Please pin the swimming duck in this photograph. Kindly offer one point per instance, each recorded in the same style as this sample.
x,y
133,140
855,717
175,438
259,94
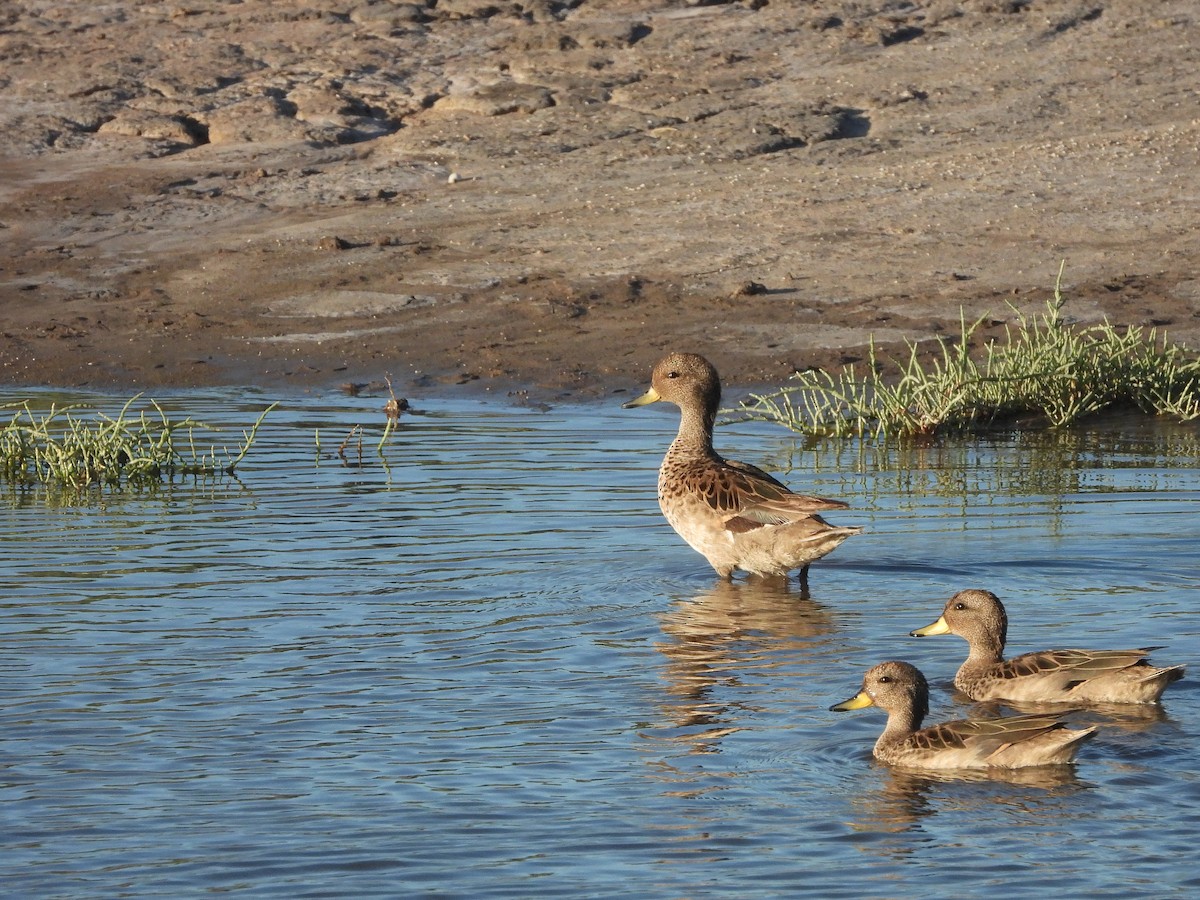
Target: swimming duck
x,y
732,513
1078,676
1013,742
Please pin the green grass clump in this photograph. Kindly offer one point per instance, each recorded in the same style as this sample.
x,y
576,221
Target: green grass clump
x,y
1045,369
58,447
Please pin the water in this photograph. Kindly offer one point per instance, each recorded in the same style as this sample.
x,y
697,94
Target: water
x,y
488,668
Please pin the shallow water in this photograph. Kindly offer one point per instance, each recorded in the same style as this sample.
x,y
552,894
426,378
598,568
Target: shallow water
x,y
482,665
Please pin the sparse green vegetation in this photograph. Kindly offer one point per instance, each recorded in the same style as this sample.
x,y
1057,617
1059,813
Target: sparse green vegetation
x,y
1045,369
393,409
59,447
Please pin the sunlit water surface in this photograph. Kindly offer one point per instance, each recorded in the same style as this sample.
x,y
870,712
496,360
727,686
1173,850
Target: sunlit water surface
x,y
482,665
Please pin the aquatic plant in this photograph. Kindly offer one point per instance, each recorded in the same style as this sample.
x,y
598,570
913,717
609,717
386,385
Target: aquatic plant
x,y
1044,369
59,447
393,409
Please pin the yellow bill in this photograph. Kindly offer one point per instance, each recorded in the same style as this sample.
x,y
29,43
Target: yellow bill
x,y
651,396
858,701
938,627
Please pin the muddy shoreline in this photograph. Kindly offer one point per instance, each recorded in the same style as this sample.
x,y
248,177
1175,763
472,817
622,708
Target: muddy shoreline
x,y
536,200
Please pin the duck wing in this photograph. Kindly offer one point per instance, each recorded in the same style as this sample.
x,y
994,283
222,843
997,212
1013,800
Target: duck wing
x,y
754,498
984,736
1072,666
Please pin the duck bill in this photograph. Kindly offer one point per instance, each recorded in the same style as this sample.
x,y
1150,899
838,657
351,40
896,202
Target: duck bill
x,y
858,701
651,396
938,627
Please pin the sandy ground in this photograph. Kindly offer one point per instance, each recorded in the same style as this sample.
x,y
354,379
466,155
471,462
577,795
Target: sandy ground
x,y
538,198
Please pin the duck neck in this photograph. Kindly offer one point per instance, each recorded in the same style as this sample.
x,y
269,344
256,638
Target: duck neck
x,y
695,430
901,722
987,649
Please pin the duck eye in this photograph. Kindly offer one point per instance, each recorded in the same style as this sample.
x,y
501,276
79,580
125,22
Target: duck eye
x,y
960,606
672,374
886,679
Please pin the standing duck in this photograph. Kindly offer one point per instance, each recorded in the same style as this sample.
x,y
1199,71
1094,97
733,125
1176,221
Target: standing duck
x,y
1013,742
734,514
1067,676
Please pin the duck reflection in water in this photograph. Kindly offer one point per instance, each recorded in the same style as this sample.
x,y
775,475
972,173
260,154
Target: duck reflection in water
x,y
903,798
714,640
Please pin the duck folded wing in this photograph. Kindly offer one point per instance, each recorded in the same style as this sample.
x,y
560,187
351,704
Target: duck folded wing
x,y
748,490
985,736
1073,665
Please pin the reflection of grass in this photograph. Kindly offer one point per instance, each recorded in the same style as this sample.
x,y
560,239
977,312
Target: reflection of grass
x,y
1112,455
1045,368
59,448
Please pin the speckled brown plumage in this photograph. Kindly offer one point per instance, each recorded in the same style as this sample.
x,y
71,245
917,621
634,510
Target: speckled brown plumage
x,y
734,514
1066,676
1013,742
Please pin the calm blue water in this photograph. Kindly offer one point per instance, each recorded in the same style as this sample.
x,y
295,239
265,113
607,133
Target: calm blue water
x,y
482,665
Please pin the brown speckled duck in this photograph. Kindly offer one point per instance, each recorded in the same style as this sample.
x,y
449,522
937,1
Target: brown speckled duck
x,y
1066,676
1012,742
734,514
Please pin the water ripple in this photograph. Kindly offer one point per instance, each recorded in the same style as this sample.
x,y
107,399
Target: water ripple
x,y
481,665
